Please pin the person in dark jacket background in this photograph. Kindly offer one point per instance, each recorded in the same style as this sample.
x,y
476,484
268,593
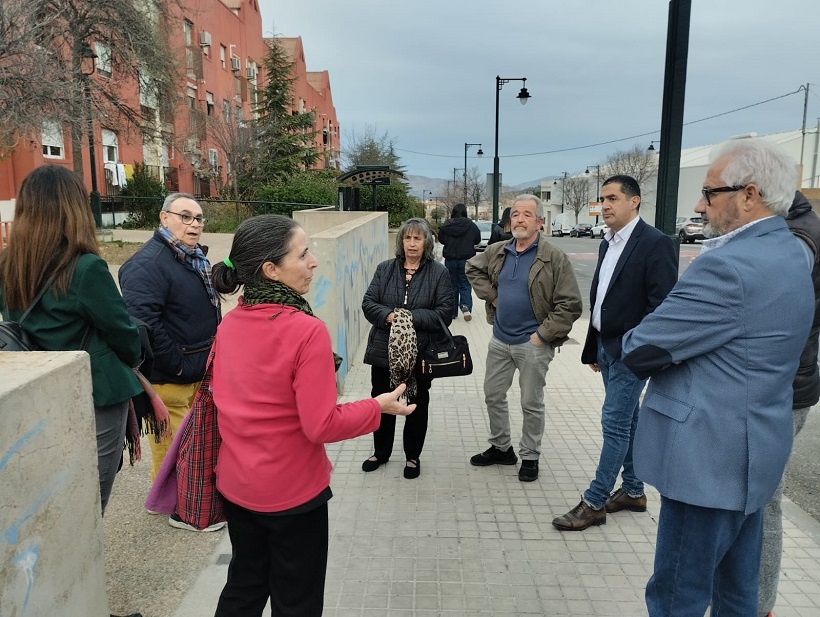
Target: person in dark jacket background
x,y
502,232
414,281
459,235
167,284
805,225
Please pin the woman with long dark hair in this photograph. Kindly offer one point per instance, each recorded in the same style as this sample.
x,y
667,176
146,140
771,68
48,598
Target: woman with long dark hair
x,y
54,245
274,385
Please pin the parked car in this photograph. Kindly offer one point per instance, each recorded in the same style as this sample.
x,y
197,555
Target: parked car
x,y
581,229
689,228
599,230
561,225
486,228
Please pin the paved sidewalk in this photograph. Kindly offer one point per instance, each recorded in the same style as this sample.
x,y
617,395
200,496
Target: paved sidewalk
x,y
468,541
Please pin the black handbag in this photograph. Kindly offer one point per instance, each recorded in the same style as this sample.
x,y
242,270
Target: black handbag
x,y
12,335
446,355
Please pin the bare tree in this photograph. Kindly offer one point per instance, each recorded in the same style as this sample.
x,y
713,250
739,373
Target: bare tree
x,y
635,162
476,189
240,146
576,194
44,42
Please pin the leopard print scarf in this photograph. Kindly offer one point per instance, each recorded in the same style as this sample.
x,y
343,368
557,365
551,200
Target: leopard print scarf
x,y
402,349
274,292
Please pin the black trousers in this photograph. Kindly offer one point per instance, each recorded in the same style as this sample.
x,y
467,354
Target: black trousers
x,y
281,557
415,425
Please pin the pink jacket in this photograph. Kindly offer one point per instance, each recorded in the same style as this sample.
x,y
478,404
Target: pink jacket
x,y
275,388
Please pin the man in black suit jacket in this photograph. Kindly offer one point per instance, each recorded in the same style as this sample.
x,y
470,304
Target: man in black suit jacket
x,y
636,268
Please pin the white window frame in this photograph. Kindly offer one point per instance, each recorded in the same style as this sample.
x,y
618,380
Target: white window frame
x,y
213,159
222,53
110,146
53,142
103,51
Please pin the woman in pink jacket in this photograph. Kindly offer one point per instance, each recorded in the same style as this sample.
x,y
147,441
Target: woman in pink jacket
x,y
275,388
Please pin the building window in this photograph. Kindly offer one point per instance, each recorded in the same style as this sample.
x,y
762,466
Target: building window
x,y
188,30
52,139
103,59
209,103
222,53
226,110
213,160
238,111
110,146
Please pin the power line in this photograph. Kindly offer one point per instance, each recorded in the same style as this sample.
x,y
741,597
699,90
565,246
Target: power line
x,y
615,141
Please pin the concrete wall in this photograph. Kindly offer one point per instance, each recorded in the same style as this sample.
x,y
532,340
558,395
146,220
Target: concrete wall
x,y
51,548
348,246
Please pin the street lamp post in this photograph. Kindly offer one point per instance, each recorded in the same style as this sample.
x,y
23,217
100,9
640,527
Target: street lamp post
x,y
480,153
88,64
597,187
563,187
523,96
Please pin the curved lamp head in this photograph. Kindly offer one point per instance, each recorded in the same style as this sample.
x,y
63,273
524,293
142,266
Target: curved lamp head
x,y
88,59
480,152
523,96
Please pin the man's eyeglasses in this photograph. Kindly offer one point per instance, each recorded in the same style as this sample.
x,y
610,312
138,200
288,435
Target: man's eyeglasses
x,y
187,219
707,193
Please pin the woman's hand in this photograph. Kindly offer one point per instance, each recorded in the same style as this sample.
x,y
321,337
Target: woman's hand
x,y
391,403
390,317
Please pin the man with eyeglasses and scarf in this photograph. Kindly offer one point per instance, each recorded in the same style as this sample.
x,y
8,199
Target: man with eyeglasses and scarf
x,y
167,284
715,427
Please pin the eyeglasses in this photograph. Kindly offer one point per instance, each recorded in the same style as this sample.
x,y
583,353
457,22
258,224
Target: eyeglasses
x,y
707,193
187,219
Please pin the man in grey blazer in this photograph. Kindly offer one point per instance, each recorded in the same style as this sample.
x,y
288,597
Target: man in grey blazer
x,y
715,428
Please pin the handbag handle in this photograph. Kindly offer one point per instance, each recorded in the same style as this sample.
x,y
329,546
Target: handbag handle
x,y
37,298
444,327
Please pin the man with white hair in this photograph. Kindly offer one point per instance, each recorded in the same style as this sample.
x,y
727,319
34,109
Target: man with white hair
x,y
715,428
532,299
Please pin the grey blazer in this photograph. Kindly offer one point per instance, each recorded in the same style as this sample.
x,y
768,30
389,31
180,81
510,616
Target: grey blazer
x,y
715,426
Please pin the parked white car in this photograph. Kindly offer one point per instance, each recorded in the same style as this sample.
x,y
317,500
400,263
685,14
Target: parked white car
x,y
599,230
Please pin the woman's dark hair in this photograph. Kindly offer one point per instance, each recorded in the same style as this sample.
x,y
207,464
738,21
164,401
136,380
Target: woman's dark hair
x,y
257,240
421,226
53,225
504,223
459,212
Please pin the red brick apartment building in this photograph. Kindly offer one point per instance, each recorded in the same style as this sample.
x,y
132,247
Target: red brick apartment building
x,y
221,52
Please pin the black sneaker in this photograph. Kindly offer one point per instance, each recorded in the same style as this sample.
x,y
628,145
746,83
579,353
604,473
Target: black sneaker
x,y
494,456
528,471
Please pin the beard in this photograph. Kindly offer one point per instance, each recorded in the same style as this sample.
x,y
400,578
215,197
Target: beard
x,y
730,221
522,234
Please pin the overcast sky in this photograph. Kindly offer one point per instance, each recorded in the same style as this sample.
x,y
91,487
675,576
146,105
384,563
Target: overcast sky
x,y
424,71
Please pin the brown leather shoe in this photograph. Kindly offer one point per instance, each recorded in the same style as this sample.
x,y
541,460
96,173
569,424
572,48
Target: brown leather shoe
x,y
619,500
579,518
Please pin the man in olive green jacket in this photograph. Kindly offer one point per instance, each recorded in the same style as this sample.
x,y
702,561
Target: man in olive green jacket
x,y
531,315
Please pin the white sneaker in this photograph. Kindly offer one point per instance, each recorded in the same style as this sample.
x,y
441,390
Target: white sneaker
x,y
175,521
466,312
152,512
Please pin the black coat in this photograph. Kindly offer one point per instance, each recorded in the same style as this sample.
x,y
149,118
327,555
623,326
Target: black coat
x,y
429,293
459,237
805,224
646,272
171,298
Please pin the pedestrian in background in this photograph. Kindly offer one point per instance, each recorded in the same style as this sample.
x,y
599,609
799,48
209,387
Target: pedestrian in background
x,y
805,225
274,385
502,231
411,282
715,427
459,235
167,284
636,269
532,299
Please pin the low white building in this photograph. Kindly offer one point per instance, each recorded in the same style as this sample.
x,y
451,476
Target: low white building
x,y
693,165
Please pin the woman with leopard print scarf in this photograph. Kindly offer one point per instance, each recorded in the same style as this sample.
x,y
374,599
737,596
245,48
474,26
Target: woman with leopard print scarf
x,y
274,387
406,293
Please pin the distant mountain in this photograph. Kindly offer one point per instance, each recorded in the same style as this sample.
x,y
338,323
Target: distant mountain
x,y
525,185
438,186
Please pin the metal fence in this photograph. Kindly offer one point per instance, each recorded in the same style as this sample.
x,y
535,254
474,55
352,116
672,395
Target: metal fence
x,y
223,215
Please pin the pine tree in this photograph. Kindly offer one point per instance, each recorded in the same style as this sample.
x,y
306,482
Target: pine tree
x,y
285,137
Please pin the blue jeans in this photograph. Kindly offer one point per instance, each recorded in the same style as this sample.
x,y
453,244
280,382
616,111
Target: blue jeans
x,y
619,417
705,555
532,362
462,291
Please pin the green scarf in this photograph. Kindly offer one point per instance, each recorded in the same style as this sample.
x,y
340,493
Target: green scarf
x,y
274,292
